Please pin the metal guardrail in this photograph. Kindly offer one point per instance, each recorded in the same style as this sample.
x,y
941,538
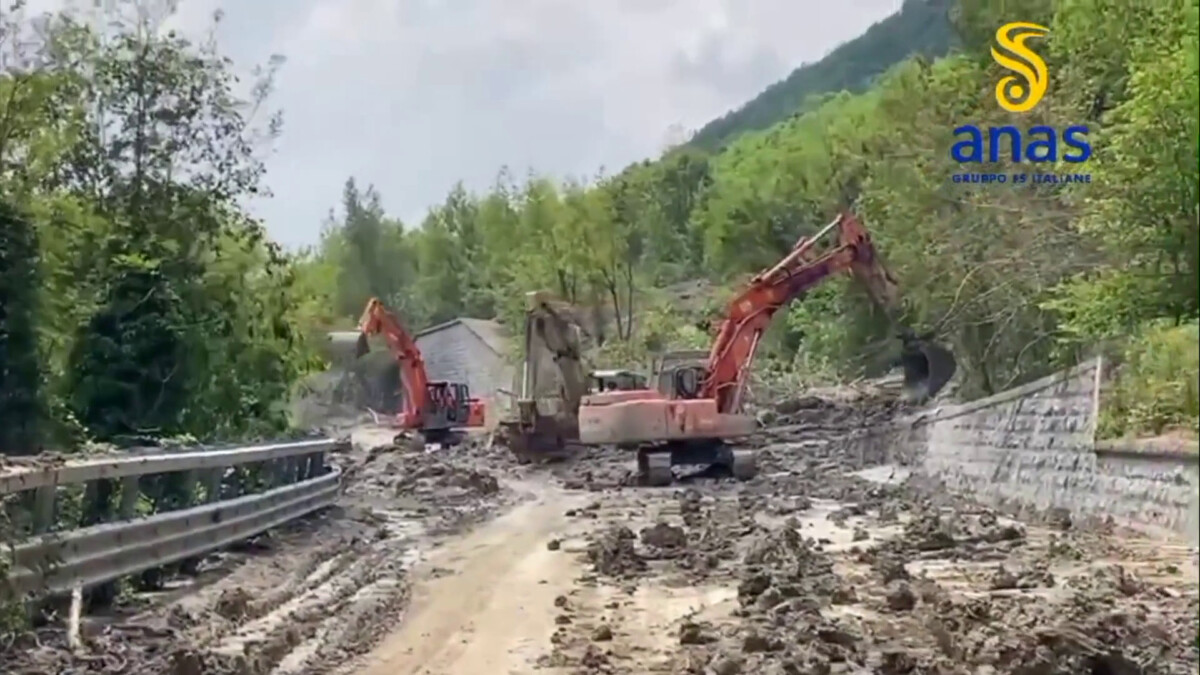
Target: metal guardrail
x,y
299,481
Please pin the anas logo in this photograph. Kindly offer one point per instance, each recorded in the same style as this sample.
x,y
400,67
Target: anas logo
x,y
1020,92
1041,145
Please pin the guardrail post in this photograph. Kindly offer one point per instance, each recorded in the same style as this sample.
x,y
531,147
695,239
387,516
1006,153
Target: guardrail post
x,y
212,484
316,464
190,481
130,490
190,566
43,508
278,473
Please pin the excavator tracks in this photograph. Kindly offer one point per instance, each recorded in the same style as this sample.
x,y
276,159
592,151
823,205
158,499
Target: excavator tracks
x,y
655,465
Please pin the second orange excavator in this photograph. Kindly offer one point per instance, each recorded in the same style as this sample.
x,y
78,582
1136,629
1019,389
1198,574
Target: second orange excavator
x,y
438,411
698,407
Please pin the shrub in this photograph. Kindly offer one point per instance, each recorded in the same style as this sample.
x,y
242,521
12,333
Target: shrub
x,y
1156,384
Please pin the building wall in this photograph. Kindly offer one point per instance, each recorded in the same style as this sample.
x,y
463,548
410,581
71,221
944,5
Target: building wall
x,y
456,353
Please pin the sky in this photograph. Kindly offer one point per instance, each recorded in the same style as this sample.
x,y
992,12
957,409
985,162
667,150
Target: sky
x,y
412,96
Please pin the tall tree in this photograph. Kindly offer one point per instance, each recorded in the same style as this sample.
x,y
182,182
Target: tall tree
x,y
20,370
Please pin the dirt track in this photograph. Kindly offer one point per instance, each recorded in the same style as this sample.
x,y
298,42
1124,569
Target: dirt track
x,y
462,563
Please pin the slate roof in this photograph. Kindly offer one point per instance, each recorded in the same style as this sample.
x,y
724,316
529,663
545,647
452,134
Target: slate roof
x,y
490,332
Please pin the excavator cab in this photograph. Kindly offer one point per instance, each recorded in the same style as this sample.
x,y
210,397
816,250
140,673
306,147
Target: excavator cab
x,y
615,380
680,374
449,405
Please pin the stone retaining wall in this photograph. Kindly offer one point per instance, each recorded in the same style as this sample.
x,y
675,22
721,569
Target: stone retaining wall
x,y
1032,448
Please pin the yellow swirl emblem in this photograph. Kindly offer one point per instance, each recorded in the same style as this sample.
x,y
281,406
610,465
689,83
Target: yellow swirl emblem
x,y
1021,92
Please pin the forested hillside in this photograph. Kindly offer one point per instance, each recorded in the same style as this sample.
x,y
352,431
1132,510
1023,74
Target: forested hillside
x,y
921,27
1020,279
138,297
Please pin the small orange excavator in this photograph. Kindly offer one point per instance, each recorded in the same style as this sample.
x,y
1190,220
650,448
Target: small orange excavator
x,y
696,407
438,411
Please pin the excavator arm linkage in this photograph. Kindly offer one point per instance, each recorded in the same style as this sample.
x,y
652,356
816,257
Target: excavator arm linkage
x,y
705,403
927,367
436,409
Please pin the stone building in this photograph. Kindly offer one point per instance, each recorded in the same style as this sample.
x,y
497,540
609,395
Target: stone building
x,y
474,351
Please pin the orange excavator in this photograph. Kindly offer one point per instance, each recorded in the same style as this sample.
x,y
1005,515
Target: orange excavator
x,y
697,407
437,411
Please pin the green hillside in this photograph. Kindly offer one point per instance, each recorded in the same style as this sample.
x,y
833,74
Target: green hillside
x,y
138,297
920,27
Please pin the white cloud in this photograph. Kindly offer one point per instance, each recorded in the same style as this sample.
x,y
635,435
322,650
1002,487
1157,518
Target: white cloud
x,y
413,95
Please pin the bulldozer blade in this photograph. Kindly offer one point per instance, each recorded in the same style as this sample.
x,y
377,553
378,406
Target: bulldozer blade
x,y
928,367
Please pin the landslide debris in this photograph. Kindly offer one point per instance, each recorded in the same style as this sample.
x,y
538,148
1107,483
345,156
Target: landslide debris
x,y
835,573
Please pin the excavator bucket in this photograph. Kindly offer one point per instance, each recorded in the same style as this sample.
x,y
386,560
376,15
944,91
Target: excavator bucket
x,y
362,346
928,367
370,379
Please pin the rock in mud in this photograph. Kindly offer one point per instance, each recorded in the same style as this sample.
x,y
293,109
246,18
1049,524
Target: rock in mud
x,y
691,633
612,553
900,598
753,641
664,536
728,664
595,661
1005,579
234,604
603,633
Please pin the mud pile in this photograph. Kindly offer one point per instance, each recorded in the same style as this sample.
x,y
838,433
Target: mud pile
x,y
595,469
613,553
834,408
446,488
834,573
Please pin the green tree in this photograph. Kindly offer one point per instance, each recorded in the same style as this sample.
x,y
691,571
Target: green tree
x,y
124,371
20,369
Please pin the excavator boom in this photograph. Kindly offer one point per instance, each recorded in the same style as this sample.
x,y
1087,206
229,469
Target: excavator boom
x,y
703,405
376,319
751,312
435,409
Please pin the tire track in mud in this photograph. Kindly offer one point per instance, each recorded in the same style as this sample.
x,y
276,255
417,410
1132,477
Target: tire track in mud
x,y
308,597
479,602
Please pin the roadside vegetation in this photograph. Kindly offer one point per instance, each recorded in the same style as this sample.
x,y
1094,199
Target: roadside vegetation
x,y
1020,279
140,299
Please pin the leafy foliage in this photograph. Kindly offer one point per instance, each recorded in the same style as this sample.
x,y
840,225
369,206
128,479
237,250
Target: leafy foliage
x,y
20,369
1019,279
158,305
123,372
149,301
1156,388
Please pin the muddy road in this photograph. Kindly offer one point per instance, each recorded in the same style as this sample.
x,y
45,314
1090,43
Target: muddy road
x,y
814,567
463,563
